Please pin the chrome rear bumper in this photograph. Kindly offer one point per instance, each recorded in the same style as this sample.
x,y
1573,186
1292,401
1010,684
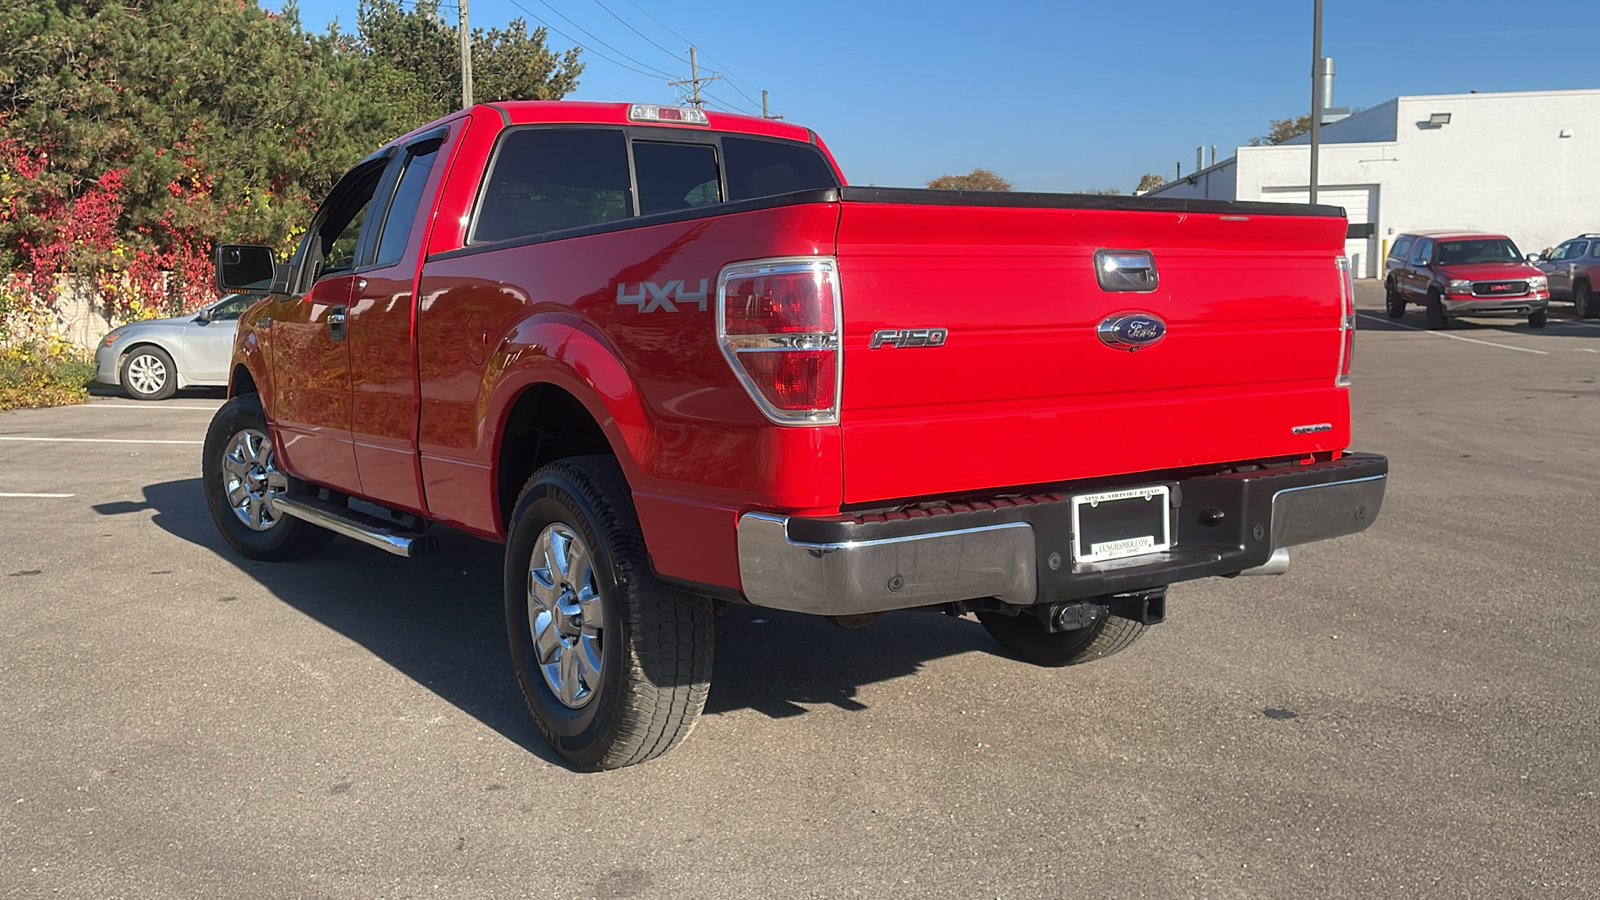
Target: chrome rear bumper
x,y
1005,550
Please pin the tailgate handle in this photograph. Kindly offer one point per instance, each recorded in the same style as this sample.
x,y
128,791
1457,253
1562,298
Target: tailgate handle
x,y
1125,271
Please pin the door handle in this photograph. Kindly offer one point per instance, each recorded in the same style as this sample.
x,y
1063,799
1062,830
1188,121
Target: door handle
x,y
336,323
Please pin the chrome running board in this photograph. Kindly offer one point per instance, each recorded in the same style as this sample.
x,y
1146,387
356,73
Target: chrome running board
x,y
339,519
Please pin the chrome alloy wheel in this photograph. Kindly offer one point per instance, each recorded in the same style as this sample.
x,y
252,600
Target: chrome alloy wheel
x,y
250,480
565,615
147,373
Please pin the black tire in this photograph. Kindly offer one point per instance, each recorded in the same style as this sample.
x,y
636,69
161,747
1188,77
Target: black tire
x,y
286,538
1437,320
654,642
1583,301
1537,320
157,375
1393,303
1026,638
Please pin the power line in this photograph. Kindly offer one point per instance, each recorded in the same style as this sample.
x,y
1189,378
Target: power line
x,y
654,74
635,30
663,73
687,41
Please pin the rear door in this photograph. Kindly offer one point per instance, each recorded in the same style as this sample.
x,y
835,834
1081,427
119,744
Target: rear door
x,y
1038,373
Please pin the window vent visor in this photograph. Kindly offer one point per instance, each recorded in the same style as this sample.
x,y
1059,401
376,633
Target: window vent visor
x,y
778,325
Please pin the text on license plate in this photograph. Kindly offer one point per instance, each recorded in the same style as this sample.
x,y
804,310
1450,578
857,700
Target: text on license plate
x,y
1122,523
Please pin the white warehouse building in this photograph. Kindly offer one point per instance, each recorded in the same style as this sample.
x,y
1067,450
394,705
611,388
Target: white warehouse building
x,y
1523,164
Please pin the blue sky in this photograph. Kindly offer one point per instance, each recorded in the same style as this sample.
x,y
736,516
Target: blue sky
x,y
1053,96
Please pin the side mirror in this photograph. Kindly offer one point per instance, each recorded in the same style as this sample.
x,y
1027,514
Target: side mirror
x,y
247,269
1533,257
204,316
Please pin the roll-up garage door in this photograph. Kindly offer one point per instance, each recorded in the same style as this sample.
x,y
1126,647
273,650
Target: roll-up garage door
x,y
1360,204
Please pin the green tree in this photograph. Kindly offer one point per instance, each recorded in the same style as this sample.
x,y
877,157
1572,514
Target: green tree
x,y
420,45
976,180
1149,181
1282,130
136,134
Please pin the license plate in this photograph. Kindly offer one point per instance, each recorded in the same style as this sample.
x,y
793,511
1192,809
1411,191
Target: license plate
x,y
1120,524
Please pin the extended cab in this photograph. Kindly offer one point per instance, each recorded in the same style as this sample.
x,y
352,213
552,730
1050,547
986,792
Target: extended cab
x,y
1463,273
672,361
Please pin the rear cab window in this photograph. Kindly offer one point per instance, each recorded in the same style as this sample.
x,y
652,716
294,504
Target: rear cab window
x,y
1401,247
546,179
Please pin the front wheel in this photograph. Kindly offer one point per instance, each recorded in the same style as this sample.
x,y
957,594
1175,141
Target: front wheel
x,y
1393,303
148,373
241,480
1436,318
1537,320
613,665
1026,637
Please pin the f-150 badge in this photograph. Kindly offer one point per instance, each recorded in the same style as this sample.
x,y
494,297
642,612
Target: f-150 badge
x,y
909,337
649,296
1131,330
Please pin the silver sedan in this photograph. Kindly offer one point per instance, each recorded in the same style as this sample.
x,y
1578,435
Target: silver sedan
x,y
153,358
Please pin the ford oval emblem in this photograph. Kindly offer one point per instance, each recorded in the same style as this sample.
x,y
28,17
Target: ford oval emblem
x,y
1132,330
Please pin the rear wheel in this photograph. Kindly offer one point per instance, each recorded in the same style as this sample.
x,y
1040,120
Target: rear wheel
x,y
1583,301
1435,308
1026,637
148,373
613,664
1393,303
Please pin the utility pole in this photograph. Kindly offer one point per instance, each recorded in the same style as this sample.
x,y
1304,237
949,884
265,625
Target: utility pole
x,y
466,58
694,80
1316,94
764,113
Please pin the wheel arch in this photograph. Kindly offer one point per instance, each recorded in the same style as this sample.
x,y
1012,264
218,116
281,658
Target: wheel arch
x,y
545,422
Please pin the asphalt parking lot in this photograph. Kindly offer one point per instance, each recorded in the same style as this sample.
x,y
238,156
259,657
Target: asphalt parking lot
x,y
1412,712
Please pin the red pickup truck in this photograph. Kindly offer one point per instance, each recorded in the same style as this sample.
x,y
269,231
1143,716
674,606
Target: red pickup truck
x,y
672,361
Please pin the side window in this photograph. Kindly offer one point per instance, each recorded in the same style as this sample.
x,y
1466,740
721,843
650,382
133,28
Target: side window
x,y
1424,253
765,168
547,179
1595,249
231,308
344,215
675,176
1401,247
402,212
1576,250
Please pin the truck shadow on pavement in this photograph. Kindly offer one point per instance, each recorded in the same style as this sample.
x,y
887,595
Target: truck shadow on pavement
x,y
439,620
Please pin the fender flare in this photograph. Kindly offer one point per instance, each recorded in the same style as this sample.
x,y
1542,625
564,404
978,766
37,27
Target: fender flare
x,y
563,350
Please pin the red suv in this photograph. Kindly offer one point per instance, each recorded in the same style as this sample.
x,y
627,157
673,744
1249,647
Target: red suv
x,y
1462,273
1574,272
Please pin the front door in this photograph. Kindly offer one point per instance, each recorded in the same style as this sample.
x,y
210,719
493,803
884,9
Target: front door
x,y
382,305
310,353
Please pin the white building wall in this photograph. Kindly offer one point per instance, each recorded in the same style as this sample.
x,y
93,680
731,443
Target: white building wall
x,y
1502,164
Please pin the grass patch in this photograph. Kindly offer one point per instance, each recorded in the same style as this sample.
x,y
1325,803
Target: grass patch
x,y
32,376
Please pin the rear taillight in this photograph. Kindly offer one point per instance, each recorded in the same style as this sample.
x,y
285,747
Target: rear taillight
x,y
1347,322
778,321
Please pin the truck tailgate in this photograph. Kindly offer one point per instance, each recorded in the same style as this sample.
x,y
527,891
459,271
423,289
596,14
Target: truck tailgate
x,y
1023,391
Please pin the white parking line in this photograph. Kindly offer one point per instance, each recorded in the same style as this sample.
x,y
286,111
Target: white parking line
x,y
7,437
144,406
1454,337
4,494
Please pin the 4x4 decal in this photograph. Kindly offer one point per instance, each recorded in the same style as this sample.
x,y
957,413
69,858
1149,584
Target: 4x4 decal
x,y
649,296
